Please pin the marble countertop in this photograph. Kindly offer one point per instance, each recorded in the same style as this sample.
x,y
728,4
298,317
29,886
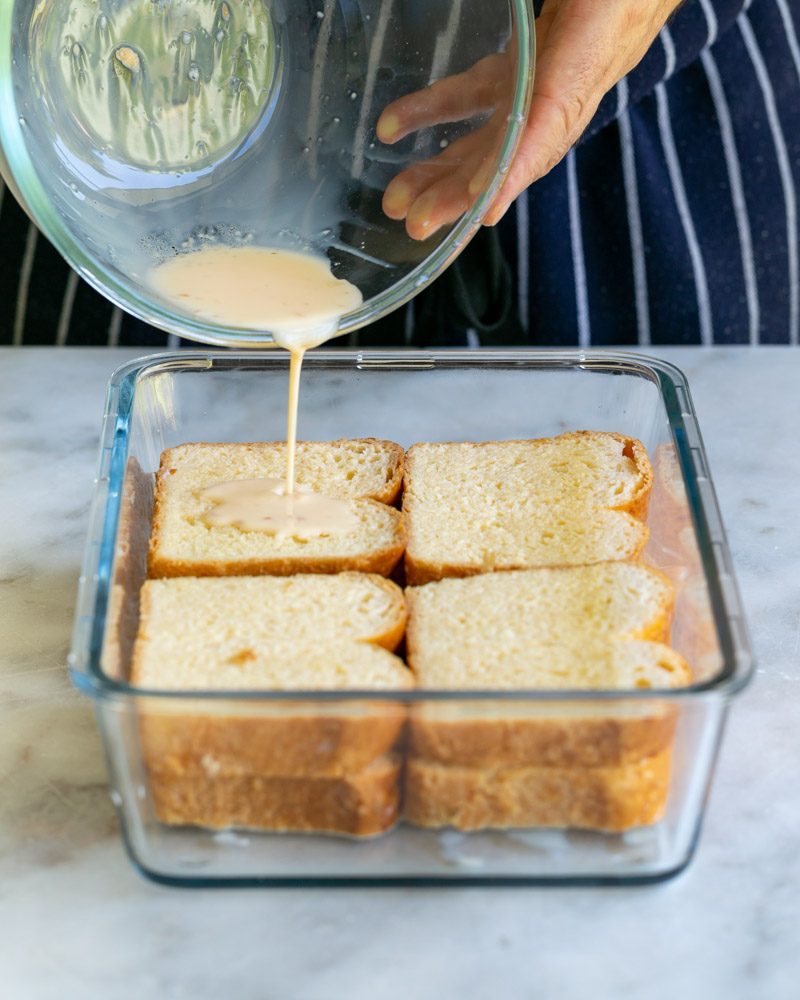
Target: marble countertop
x,y
77,921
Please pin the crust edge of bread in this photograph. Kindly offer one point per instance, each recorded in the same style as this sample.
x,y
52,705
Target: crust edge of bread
x,y
611,799
360,805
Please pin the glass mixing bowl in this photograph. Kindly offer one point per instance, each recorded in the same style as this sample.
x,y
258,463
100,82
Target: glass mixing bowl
x,y
132,130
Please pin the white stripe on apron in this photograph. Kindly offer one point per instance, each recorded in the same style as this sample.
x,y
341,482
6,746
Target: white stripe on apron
x,y
578,260
784,168
628,157
684,212
67,303
737,192
24,283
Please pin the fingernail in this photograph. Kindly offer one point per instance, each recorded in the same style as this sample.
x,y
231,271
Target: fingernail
x,y
480,179
422,208
495,214
421,230
395,200
421,237
388,127
420,216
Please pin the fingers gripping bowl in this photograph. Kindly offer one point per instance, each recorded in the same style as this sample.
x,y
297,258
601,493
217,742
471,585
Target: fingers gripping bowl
x,y
639,756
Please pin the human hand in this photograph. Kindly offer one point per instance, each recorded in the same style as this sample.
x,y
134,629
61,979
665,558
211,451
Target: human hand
x,y
584,47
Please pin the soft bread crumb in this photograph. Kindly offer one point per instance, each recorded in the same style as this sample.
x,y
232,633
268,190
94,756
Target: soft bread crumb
x,y
572,499
587,627
270,632
359,468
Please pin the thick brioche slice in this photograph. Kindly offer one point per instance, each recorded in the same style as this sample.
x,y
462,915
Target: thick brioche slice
x,y
475,508
198,624
564,628
270,633
359,804
367,473
581,628
596,798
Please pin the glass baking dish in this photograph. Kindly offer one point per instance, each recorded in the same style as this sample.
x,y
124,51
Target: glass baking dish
x,y
169,399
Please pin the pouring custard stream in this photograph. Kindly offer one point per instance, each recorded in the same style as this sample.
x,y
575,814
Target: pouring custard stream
x,y
295,297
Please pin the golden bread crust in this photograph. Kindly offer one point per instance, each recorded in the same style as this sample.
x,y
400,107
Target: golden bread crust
x,y
130,558
295,742
673,548
359,804
595,798
571,741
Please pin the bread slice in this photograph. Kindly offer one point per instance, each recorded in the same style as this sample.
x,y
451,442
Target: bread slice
x,y
192,629
368,473
475,508
553,734
577,627
360,804
580,628
595,798
347,468
269,633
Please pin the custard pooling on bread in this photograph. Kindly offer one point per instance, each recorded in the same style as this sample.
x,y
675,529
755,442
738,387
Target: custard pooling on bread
x,y
365,473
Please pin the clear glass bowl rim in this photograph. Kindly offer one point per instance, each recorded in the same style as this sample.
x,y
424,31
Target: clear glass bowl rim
x,y
84,658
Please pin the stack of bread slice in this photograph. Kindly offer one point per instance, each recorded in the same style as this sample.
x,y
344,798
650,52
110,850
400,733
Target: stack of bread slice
x,y
307,621
290,764
522,560
534,546
519,762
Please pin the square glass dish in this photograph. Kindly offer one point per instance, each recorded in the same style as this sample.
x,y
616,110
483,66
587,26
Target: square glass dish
x,y
170,399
